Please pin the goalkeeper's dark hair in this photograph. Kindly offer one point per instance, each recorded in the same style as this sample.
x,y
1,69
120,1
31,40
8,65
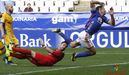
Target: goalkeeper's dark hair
x,y
65,42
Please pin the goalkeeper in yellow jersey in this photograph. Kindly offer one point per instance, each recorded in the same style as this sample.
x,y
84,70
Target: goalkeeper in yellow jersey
x,y
7,31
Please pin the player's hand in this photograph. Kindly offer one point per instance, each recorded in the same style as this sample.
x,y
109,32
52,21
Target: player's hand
x,y
111,11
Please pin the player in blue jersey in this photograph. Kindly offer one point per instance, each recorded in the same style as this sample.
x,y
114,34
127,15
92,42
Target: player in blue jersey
x,y
93,25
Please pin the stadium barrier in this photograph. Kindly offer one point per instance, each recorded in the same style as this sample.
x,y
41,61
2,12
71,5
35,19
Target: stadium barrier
x,y
29,27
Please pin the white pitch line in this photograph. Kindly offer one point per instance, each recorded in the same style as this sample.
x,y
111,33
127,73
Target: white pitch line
x,y
112,53
105,53
29,72
64,68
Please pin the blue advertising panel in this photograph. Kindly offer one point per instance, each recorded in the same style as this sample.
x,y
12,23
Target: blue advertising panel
x,y
64,20
29,27
102,39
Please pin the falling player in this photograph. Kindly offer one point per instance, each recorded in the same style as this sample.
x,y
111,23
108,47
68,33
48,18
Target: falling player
x,y
92,26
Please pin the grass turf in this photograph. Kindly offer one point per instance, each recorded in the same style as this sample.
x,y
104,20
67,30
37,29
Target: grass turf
x,y
100,64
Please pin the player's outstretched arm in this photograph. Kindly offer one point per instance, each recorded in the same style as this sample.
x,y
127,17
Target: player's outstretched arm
x,y
112,21
48,49
93,3
45,47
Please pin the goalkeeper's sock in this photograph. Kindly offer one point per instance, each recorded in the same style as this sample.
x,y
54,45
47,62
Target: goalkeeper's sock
x,y
68,40
23,51
83,54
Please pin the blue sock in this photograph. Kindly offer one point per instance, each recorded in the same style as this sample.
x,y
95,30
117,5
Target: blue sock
x,y
68,40
83,54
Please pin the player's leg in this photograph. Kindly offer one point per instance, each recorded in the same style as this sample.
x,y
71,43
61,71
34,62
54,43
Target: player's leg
x,y
27,54
15,54
33,61
23,51
74,44
39,59
19,55
7,58
89,45
91,52
9,43
67,39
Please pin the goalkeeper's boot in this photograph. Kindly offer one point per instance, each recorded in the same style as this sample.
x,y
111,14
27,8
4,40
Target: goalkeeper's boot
x,y
56,30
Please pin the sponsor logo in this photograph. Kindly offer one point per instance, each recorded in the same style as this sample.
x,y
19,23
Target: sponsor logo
x,y
107,39
26,41
24,18
99,20
115,68
116,71
121,18
64,18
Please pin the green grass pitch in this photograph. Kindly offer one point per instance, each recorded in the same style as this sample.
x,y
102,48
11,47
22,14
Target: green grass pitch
x,y
100,64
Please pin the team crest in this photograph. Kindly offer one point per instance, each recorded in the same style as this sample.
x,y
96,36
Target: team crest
x,y
99,20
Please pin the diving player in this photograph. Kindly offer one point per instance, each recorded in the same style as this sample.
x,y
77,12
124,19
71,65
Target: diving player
x,y
40,59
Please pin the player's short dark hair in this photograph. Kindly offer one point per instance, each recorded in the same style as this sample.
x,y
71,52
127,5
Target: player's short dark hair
x,y
98,7
64,42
